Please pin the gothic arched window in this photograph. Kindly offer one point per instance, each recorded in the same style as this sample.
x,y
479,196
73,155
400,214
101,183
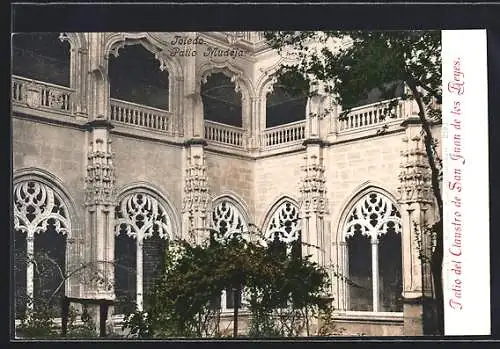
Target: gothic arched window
x,y
135,76
142,229
221,102
228,221
41,56
372,233
41,227
283,234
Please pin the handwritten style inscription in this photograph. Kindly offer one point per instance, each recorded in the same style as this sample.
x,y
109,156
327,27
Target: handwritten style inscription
x,y
456,88
189,47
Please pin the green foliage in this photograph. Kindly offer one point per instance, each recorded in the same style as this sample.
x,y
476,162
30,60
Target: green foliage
x,y
37,321
352,63
283,292
349,64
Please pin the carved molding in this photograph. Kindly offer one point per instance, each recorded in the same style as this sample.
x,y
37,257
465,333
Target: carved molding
x,y
100,179
196,191
415,173
313,187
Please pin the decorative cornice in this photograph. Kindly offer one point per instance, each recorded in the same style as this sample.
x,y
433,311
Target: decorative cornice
x,y
99,123
195,141
313,141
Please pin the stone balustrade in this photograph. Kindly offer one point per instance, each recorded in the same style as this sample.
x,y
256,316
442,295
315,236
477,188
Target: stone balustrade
x,y
283,134
224,134
371,115
140,115
41,95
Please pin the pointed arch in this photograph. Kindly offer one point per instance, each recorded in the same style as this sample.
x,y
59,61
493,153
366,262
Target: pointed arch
x,y
155,193
230,216
368,242
115,41
144,223
355,195
282,219
237,76
45,229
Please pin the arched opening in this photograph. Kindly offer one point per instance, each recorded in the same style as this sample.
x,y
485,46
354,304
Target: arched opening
x,y
390,272
284,106
142,231
41,56
228,222
20,271
360,272
41,226
125,271
386,91
221,103
50,251
372,233
135,77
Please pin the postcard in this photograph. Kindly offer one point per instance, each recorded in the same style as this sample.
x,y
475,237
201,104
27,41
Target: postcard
x,y
249,184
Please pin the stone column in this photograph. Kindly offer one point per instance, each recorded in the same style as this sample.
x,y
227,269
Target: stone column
x,y
99,178
416,200
313,202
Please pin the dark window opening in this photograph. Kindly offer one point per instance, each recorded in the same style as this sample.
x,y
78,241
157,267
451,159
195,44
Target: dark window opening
x,y
153,263
125,272
390,272
135,76
283,107
384,92
20,270
41,56
221,103
50,261
360,273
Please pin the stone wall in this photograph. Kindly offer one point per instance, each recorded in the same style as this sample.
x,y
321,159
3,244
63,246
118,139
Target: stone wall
x,y
153,163
350,166
275,177
58,150
233,176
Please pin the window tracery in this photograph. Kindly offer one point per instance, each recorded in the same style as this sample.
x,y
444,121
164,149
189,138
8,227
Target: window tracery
x,y
38,210
140,215
228,220
372,235
143,219
373,216
284,224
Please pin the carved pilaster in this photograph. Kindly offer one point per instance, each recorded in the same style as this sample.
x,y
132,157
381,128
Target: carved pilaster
x,y
416,199
313,201
196,200
100,196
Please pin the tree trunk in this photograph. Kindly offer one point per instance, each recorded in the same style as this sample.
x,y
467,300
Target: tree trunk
x,y
236,296
436,255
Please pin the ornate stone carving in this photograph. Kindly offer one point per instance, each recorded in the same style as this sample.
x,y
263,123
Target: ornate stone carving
x,y
140,215
373,215
312,189
415,174
284,224
196,196
228,220
35,206
100,177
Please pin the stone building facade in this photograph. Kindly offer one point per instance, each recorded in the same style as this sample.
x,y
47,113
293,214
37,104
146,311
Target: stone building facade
x,y
116,169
